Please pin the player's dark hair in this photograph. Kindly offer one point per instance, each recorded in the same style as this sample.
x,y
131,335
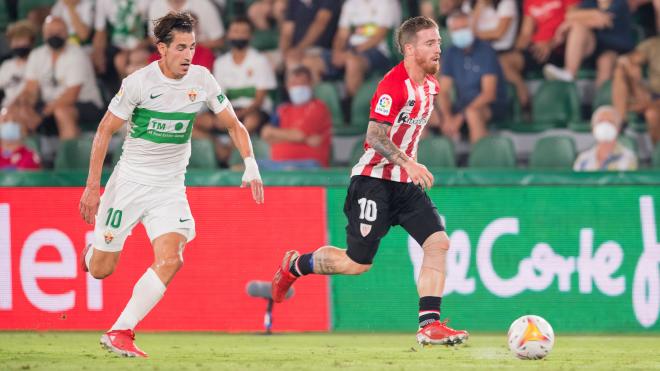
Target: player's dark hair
x,y
243,19
408,30
301,71
164,27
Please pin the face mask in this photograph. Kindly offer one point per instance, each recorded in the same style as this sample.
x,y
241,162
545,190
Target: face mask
x,y
462,38
605,132
239,43
300,94
10,131
21,52
55,42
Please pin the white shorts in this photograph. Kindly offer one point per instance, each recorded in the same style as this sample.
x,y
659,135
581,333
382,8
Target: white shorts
x,y
124,203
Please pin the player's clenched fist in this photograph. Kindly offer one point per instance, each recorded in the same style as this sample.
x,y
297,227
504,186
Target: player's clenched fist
x,y
89,203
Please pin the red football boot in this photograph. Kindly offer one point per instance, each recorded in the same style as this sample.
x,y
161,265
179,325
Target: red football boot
x,y
283,278
439,333
83,265
122,343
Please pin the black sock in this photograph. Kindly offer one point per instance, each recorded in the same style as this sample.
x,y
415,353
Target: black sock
x,y
303,265
429,310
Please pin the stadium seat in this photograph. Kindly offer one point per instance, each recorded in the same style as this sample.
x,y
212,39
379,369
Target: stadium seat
x,y
436,152
327,92
73,154
202,154
556,104
556,152
261,152
513,116
655,157
360,107
264,40
493,152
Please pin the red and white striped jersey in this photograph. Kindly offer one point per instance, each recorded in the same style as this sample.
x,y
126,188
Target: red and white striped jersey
x,y
406,106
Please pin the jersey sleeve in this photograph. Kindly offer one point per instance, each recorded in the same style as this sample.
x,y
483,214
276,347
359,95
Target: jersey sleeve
x,y
126,99
386,102
216,100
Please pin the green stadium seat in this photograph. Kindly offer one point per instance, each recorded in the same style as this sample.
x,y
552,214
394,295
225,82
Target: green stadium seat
x,y
629,143
556,104
202,154
264,40
73,154
493,152
513,116
603,96
556,152
356,153
261,152
655,157
327,92
436,152
360,108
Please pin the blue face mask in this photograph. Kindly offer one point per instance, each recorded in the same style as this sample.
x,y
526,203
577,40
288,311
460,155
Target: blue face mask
x,y
300,94
462,38
10,131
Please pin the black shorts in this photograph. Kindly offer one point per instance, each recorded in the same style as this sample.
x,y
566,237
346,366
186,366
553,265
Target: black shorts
x,y
374,205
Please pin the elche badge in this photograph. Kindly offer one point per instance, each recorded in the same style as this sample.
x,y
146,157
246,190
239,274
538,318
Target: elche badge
x,y
192,94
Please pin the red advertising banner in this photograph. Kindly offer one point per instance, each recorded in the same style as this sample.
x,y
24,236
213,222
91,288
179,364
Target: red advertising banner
x,y
43,288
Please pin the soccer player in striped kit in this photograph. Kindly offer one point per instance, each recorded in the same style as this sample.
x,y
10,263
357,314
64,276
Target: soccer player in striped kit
x,y
387,185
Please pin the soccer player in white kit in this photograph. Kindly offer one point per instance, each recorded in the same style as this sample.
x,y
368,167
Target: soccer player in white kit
x,y
159,102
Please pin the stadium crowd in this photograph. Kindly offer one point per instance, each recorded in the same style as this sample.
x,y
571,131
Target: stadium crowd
x,y
538,83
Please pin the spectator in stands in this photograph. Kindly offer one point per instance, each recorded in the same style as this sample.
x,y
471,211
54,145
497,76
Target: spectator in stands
x,y
538,39
360,44
602,28
607,153
211,29
631,94
14,155
496,21
203,56
471,66
121,23
60,84
300,133
267,14
246,77
21,37
308,31
78,16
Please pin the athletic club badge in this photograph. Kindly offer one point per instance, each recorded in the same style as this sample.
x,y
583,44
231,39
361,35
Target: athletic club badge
x,y
192,94
365,229
108,237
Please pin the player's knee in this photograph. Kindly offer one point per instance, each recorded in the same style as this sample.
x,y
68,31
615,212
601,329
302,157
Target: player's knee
x,y
171,263
101,271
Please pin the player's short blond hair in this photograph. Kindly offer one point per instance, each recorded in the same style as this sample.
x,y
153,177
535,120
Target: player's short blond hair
x,y
407,32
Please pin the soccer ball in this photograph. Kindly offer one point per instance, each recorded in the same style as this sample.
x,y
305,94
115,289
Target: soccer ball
x,y
531,337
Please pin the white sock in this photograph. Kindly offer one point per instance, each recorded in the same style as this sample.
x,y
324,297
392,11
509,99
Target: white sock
x,y
147,292
88,256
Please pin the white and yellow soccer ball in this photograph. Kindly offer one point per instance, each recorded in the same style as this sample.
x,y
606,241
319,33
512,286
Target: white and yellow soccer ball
x,y
531,337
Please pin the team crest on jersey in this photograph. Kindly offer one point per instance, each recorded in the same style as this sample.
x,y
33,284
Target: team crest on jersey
x,y
192,94
365,229
384,105
108,237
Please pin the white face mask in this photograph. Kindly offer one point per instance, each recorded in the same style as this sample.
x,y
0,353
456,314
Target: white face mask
x,y
300,94
605,131
10,131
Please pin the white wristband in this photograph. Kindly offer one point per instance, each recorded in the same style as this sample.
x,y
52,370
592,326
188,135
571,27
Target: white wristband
x,y
251,170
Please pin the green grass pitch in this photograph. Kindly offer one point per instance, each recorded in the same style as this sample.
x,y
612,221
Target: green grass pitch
x,y
314,351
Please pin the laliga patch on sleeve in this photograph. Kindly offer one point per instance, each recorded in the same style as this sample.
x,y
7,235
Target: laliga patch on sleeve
x,y
384,105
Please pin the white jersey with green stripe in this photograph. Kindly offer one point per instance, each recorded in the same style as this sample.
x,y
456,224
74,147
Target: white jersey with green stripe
x,y
160,112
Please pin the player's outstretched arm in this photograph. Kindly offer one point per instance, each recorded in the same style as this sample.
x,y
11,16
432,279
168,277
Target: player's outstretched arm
x,y
89,202
239,135
379,139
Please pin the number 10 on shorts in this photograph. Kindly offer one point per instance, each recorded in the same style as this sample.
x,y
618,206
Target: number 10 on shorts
x,y
114,218
368,209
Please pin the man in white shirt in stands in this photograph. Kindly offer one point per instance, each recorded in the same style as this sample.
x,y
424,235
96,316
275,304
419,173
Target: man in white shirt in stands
x,y
60,86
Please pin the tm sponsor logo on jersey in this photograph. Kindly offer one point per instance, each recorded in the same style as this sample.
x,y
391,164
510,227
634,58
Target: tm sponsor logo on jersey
x,y
404,118
384,105
167,128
